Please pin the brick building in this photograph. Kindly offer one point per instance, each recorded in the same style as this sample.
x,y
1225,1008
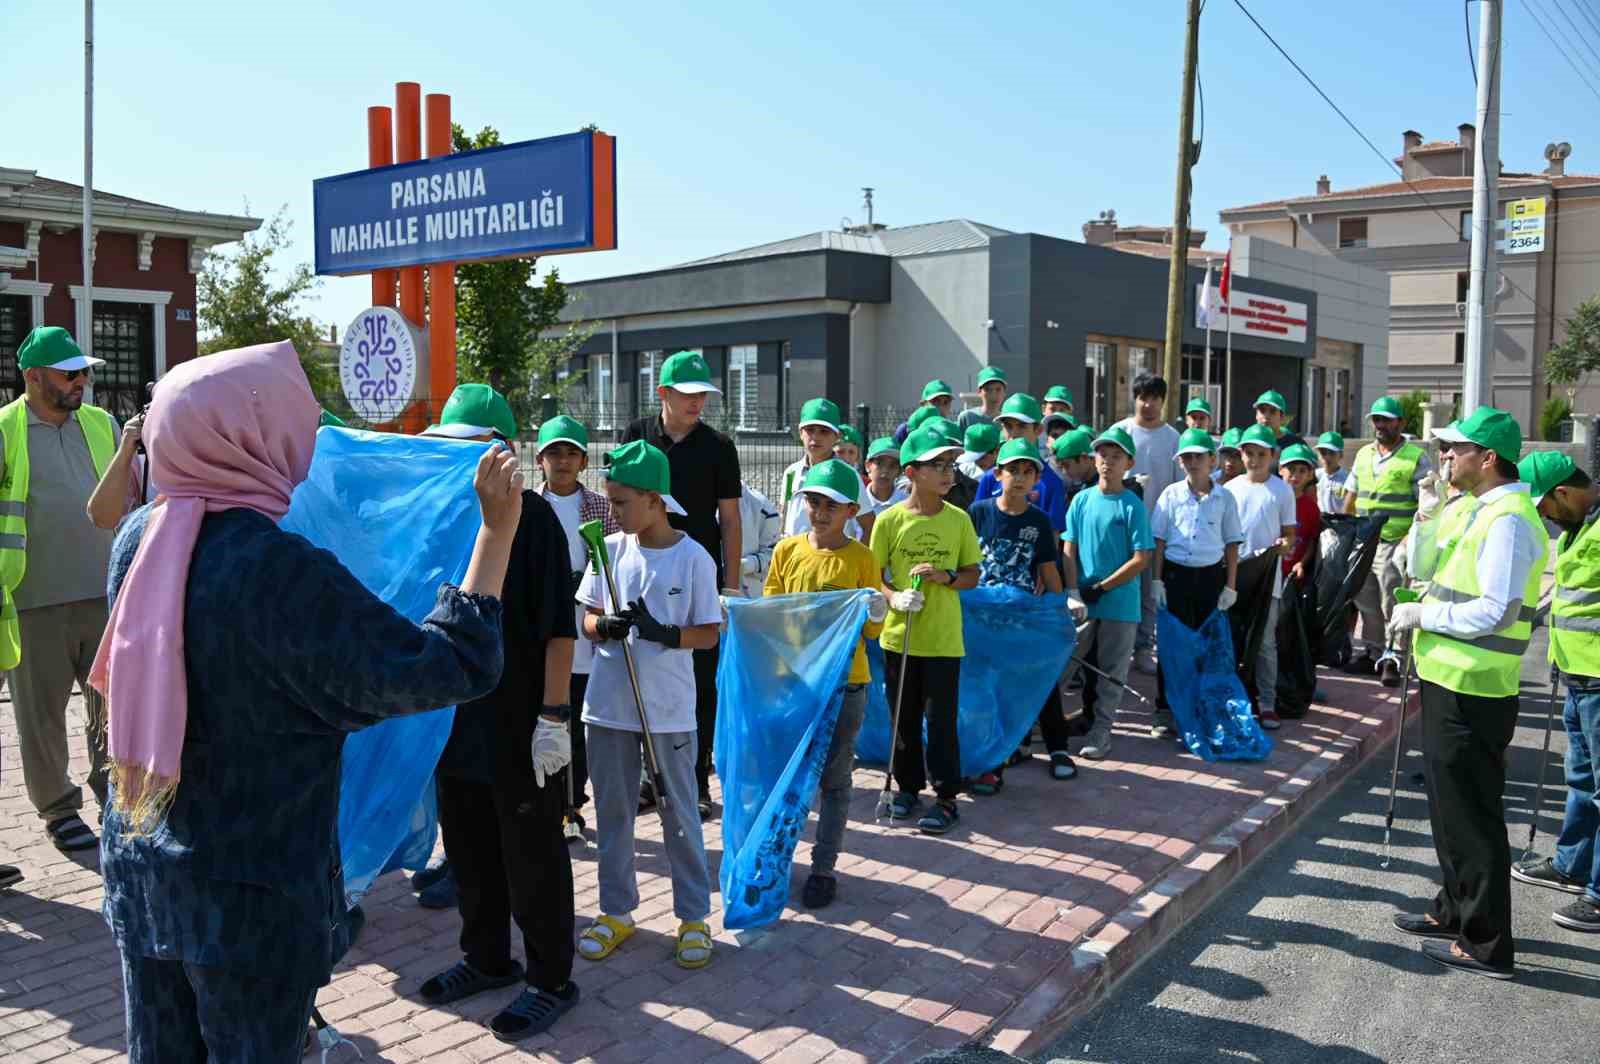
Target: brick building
x,y
145,259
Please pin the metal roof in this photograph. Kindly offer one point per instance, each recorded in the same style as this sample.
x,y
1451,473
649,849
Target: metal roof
x,y
956,234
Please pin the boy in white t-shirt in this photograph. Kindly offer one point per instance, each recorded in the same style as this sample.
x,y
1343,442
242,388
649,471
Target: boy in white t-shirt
x,y
1268,520
667,585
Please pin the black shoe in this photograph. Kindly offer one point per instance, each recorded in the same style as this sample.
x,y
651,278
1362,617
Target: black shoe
x,y
703,804
440,895
463,980
819,891
1542,872
421,881
1580,914
1388,671
1440,951
533,1012
1422,926
1062,767
10,876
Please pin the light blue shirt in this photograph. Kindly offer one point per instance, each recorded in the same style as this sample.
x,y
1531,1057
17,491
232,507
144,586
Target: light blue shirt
x,y
1196,528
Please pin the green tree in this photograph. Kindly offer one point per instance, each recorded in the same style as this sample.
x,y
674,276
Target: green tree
x,y
1579,354
1411,405
501,310
245,297
1556,410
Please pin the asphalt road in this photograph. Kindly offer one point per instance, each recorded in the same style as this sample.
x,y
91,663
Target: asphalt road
x,y
1297,962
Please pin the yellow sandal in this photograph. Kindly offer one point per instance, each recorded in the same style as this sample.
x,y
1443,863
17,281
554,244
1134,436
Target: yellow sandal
x,y
693,937
608,933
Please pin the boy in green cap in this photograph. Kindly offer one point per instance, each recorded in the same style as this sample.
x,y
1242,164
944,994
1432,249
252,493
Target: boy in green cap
x,y
1057,399
848,449
563,455
1272,410
1054,427
1020,419
937,396
1108,544
819,433
1332,476
1298,467
992,392
824,558
667,586
1197,415
883,474
1019,550
924,540
1268,519
1230,458
982,442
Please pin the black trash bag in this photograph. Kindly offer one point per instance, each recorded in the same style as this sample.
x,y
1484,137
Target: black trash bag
x,y
1297,665
1345,550
1247,619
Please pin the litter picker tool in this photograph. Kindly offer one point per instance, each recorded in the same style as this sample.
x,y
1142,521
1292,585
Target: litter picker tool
x,y
894,723
1106,675
1544,761
1403,594
593,535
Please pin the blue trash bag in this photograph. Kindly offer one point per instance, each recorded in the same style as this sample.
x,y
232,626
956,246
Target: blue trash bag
x,y
1016,646
1208,701
780,684
400,513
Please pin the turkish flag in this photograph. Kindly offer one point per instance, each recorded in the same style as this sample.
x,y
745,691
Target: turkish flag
x,y
1227,275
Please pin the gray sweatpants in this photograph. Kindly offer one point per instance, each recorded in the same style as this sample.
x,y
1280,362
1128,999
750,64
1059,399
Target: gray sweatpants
x,y
1267,661
834,810
1111,643
614,760
1375,600
58,646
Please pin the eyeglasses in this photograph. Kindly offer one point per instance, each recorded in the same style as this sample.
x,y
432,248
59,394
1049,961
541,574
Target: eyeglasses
x,y
73,374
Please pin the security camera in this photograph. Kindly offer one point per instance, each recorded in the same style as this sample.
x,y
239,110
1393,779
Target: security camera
x,y
988,323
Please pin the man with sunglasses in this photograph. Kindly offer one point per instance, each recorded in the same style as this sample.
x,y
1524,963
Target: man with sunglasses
x,y
1472,630
54,595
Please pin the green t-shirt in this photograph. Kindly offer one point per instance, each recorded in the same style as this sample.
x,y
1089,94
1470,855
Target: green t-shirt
x,y
902,539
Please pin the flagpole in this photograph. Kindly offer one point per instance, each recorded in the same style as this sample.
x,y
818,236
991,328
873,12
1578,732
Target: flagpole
x,y
1227,309
1205,372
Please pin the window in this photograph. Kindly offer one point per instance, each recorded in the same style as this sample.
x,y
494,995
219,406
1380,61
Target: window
x,y
1463,286
15,320
124,335
1341,399
601,398
744,387
1466,226
1316,401
1352,232
1461,348
1097,358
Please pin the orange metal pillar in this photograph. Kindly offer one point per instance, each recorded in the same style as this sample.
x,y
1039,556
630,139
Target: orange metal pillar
x,y
441,278
380,152
408,148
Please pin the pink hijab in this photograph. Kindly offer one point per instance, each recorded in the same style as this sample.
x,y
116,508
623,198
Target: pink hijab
x,y
234,429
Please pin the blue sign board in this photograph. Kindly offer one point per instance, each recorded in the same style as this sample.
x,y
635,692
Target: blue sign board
x,y
536,197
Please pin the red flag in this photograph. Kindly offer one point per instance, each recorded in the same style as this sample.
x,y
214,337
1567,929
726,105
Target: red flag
x,y
1227,274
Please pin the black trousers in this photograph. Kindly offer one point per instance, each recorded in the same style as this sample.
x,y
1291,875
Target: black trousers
x,y
579,768
705,713
931,693
1464,741
1053,728
1192,593
510,861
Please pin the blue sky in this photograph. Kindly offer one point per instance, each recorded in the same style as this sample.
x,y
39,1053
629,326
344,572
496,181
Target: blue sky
x,y
739,124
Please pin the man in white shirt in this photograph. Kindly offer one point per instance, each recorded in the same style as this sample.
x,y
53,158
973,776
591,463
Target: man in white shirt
x,y
1268,521
1154,467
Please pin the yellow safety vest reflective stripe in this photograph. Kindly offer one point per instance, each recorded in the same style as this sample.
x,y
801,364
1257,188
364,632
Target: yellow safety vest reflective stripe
x,y
1575,606
1392,490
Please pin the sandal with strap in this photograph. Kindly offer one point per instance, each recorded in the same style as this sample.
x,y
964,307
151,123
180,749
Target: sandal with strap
x,y
533,1012
607,933
463,980
70,834
694,944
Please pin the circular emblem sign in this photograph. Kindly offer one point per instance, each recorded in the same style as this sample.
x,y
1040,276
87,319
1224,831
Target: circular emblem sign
x,y
378,364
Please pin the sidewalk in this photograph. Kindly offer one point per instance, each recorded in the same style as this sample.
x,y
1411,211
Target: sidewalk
x,y
1002,932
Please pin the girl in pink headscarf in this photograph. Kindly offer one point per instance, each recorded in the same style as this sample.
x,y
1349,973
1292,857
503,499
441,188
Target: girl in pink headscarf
x,y
237,658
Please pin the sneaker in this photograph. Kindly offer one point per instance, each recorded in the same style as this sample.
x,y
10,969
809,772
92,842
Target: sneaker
x,y
533,1012
1097,744
1389,670
1270,721
819,891
1061,766
1144,661
1163,725
441,894
940,819
426,878
1580,914
572,827
1542,872
987,785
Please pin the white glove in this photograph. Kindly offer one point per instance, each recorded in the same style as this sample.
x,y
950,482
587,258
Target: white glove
x,y
1226,600
722,600
877,607
1077,607
908,601
1406,616
1159,589
747,565
552,749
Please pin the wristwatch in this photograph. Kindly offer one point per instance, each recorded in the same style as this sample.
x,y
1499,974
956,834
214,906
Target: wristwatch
x,y
559,714
952,574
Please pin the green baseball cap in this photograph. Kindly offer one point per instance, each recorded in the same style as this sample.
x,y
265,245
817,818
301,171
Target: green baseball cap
x,y
1330,441
1544,471
328,417
935,388
1058,416
687,372
1386,406
919,417
1273,399
1259,435
1196,441
474,410
824,412
1021,407
641,466
991,373
1298,452
883,445
924,445
949,429
1198,405
1018,450
1118,436
851,434
52,347
1489,428
834,479
563,429
1058,393
1072,422
980,439
1075,444
1230,440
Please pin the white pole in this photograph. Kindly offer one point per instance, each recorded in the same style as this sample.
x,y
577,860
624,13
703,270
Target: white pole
x,y
85,323
1205,371
1227,369
1475,373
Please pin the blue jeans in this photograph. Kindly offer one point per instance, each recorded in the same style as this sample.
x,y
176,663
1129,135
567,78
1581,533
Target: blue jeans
x,y
1577,854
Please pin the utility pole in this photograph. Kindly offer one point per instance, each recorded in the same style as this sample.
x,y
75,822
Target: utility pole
x,y
85,329
1177,277
1476,388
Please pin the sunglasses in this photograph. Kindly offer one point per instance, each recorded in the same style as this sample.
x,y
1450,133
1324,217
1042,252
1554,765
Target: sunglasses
x,y
74,374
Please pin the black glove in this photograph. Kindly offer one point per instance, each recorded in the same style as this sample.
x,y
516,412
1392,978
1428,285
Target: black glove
x,y
1091,594
614,625
668,635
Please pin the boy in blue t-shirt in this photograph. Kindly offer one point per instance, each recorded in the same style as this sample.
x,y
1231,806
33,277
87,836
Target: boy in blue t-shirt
x,y
1019,550
1019,419
1108,544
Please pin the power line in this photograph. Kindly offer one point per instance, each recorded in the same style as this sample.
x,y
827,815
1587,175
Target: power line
x,y
1589,17
1472,60
1539,21
1561,6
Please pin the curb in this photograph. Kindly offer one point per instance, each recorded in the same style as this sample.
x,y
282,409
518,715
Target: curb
x,y
1118,945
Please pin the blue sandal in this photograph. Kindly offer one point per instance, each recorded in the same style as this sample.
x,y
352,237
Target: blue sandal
x,y
940,819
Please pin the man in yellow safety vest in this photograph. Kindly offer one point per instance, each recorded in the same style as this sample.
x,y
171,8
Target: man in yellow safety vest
x,y
53,563
1473,625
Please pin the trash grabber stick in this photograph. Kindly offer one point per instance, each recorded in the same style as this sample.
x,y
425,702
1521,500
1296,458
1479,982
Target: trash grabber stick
x,y
1544,761
894,721
1403,594
594,537
1120,683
